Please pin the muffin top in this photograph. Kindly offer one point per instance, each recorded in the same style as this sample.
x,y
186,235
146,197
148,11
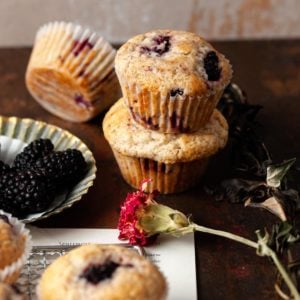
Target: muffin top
x,y
102,272
174,61
11,243
132,139
9,293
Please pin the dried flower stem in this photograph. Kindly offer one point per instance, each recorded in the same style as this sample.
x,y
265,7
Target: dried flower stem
x,y
265,250
262,249
225,234
284,275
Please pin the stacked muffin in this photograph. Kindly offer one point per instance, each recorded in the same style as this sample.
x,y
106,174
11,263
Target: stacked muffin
x,y
166,126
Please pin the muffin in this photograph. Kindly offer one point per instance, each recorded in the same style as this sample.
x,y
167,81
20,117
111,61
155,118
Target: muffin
x,y
101,272
171,80
71,72
174,162
15,244
8,292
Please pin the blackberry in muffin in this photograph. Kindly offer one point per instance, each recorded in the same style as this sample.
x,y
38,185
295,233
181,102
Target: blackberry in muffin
x,y
102,272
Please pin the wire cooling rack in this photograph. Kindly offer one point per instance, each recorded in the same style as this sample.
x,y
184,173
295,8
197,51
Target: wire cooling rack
x,y
43,256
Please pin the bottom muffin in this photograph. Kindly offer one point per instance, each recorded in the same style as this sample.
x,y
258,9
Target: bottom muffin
x,y
173,162
102,272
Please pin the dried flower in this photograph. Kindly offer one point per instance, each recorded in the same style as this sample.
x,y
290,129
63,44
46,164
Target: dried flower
x,y
142,219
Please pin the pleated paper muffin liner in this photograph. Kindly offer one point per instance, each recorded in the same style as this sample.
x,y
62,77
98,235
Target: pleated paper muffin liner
x,y
165,178
71,71
165,113
10,273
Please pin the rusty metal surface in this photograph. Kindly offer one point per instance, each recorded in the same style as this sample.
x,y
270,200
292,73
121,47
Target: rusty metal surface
x,y
269,72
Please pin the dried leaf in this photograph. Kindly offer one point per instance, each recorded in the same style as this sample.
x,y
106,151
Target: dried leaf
x,y
283,236
271,204
276,172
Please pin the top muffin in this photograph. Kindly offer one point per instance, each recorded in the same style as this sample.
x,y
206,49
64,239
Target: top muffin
x,y
171,80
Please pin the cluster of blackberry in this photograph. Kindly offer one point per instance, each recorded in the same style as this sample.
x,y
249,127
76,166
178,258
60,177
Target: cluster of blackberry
x,y
37,175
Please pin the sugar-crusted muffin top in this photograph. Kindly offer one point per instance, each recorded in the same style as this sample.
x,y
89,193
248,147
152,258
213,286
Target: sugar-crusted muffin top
x,y
174,60
102,272
129,138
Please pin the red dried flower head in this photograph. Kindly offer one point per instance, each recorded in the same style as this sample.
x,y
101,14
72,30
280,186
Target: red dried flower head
x,y
142,219
129,218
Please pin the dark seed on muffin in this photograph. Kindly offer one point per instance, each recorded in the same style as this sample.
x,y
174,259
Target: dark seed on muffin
x,y
211,66
175,92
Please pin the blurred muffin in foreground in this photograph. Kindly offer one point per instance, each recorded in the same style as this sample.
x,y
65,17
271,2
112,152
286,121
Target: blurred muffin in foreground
x,y
174,162
102,272
71,72
8,292
15,245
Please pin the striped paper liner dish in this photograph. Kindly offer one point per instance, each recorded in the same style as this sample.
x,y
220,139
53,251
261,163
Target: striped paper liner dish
x,y
16,133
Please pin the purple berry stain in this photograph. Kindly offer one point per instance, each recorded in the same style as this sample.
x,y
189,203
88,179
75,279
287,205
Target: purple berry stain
x,y
159,45
4,218
96,273
211,66
79,46
79,99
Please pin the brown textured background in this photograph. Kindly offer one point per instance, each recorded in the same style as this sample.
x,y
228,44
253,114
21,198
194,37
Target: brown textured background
x,y
117,20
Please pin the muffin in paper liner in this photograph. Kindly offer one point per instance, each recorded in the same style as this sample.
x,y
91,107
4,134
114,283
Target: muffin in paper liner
x,y
171,80
174,162
10,271
71,71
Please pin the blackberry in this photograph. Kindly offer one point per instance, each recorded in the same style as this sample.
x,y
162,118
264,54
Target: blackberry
x,y
211,66
175,92
25,191
159,45
96,273
32,152
4,168
63,168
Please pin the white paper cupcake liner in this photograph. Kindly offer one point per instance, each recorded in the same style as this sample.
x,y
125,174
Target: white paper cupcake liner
x,y
10,273
71,71
165,178
161,112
